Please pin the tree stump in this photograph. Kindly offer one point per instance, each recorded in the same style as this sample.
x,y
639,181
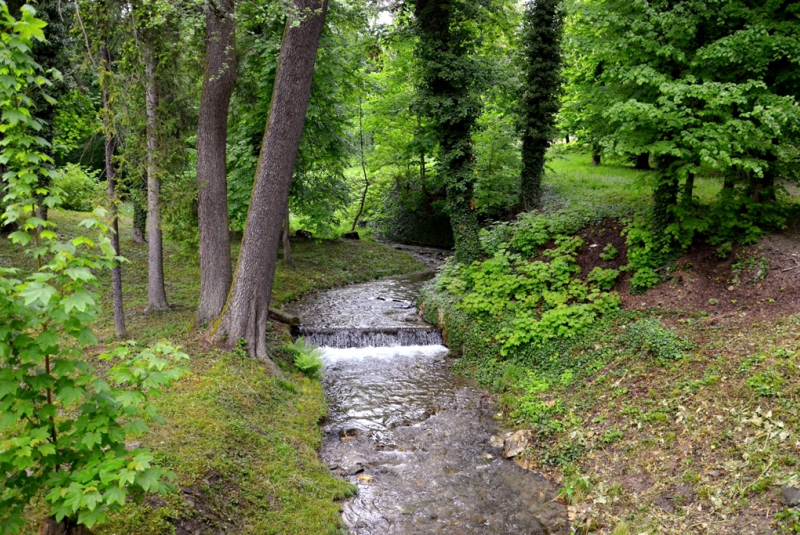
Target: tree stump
x,y
65,527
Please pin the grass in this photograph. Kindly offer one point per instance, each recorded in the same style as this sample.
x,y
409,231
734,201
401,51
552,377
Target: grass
x,y
242,443
571,180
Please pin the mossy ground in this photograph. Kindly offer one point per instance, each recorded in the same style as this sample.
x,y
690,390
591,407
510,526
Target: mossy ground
x,y
652,420
243,444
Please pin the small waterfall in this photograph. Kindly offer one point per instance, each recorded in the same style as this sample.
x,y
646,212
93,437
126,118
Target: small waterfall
x,y
343,338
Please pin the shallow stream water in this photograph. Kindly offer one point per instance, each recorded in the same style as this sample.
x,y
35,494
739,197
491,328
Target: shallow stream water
x,y
413,436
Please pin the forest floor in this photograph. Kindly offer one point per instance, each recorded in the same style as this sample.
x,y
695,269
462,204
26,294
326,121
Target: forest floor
x,y
705,443
243,444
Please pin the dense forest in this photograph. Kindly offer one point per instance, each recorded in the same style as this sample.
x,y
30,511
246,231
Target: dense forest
x,y
617,182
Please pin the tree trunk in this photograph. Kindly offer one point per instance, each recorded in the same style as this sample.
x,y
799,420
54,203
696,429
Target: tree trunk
x,y
139,218
116,270
643,162
596,155
287,246
65,527
212,137
566,139
454,107
156,296
246,312
665,194
364,168
688,188
541,44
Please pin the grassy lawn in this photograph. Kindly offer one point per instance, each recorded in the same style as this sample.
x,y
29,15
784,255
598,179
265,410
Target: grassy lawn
x,y
243,444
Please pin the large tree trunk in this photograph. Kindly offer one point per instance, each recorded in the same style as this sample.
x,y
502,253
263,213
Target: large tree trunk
x,y
212,138
665,194
156,296
541,43
116,270
454,107
246,312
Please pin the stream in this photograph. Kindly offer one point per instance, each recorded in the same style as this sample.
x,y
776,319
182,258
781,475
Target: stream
x,y
413,436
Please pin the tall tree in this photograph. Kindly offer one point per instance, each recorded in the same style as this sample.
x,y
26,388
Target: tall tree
x,y
111,192
245,313
541,43
449,97
156,295
212,136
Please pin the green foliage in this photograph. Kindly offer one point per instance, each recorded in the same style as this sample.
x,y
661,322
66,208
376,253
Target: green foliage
x,y
605,279
64,426
609,253
537,289
651,338
307,357
79,187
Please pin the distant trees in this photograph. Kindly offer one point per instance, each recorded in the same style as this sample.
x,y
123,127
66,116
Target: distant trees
x,y
702,85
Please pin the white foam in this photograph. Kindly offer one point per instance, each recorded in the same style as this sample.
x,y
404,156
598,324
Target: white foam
x,y
331,355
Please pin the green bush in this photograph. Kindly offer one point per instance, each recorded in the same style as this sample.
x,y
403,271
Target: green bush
x,y
307,358
79,187
652,338
603,278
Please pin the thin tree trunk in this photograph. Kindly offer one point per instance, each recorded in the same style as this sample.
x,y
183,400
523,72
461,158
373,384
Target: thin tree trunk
x,y
596,155
688,188
156,296
363,168
139,216
246,312
287,246
212,137
116,270
566,139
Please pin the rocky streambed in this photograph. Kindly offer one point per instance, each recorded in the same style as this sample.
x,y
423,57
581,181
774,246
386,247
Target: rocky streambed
x,y
421,443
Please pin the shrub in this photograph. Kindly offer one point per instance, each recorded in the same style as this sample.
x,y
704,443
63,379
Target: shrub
x,y
603,278
79,187
652,338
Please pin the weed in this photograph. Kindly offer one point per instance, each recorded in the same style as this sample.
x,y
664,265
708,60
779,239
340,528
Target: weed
x,y
611,436
609,253
651,338
767,383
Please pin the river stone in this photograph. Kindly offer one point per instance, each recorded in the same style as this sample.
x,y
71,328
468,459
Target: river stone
x,y
516,443
790,495
496,442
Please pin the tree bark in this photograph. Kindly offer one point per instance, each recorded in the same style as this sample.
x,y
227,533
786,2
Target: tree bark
x,y
287,245
688,188
156,296
246,312
212,137
643,162
596,160
139,219
116,270
364,167
65,527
